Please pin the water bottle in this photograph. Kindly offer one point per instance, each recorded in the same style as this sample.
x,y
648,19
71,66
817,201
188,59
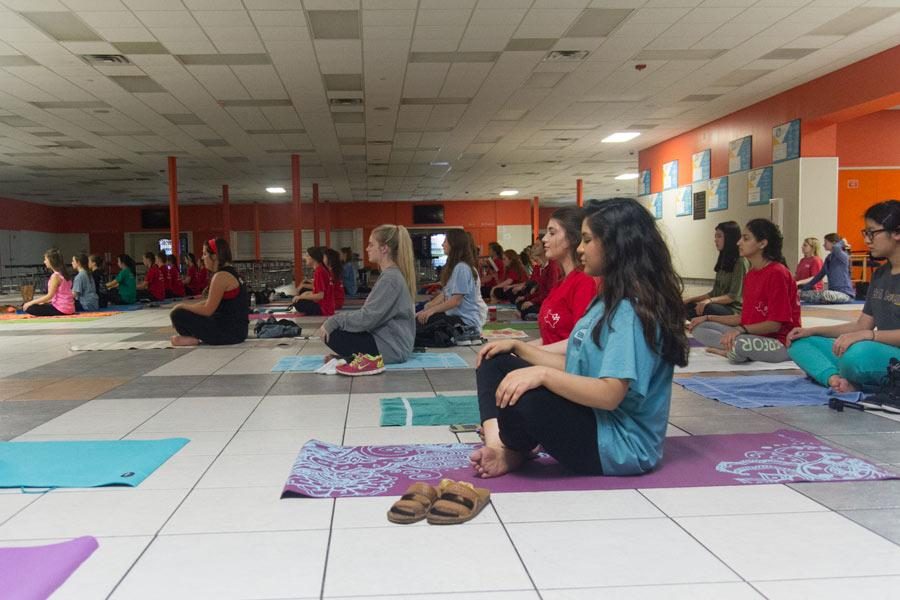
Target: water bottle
x,y
252,302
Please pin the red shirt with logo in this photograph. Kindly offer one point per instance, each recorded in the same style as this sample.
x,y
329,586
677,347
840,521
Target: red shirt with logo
x,y
770,294
155,284
322,284
564,305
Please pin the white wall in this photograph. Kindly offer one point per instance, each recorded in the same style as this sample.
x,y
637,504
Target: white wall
x,y
28,247
516,237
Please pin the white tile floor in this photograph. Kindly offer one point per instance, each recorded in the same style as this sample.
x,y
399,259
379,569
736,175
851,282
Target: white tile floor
x,y
210,523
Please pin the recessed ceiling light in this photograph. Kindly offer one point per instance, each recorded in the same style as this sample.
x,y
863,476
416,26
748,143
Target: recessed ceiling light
x,y
620,136
625,176
275,190
509,192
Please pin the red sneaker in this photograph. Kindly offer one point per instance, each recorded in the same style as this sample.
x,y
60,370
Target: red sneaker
x,y
362,364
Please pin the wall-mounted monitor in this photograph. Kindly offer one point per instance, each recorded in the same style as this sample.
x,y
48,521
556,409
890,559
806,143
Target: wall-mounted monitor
x,y
428,214
154,218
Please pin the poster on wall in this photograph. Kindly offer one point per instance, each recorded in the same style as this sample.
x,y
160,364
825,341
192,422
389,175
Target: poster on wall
x,y
786,141
644,185
700,163
656,204
684,202
717,194
739,154
759,186
670,175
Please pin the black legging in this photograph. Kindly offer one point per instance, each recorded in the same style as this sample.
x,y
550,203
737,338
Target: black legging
x,y
720,310
206,329
567,431
43,310
308,308
347,343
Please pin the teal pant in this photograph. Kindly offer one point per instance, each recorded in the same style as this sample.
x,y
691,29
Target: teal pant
x,y
863,364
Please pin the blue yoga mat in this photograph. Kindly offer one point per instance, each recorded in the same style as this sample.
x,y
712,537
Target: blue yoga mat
x,y
419,360
757,391
83,464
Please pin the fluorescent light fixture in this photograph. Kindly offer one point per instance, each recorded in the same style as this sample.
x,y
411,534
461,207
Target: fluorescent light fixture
x,y
509,192
626,176
275,190
620,136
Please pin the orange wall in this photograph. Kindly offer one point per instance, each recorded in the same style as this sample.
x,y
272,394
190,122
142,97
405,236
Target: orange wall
x,y
870,85
870,187
870,141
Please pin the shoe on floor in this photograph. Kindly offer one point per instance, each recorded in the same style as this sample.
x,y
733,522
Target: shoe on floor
x,y
330,367
362,364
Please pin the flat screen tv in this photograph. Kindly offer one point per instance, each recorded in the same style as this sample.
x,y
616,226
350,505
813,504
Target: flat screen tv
x,y
428,214
154,218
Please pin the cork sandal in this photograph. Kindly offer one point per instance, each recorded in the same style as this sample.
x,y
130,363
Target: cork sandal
x,y
413,506
459,501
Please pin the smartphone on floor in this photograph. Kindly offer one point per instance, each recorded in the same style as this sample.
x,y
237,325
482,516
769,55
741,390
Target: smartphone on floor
x,y
463,428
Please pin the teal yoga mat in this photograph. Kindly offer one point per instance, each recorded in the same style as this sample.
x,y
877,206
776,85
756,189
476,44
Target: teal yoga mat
x,y
419,360
83,464
440,410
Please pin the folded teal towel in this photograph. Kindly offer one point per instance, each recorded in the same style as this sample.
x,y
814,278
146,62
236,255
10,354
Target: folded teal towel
x,y
440,410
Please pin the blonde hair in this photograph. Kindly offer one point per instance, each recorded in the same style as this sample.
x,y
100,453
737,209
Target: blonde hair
x,y
813,243
396,238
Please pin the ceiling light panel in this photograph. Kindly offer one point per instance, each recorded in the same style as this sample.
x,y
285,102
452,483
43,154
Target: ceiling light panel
x,y
63,26
334,24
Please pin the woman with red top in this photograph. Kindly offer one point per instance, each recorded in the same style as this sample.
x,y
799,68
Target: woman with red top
x,y
492,271
197,276
222,318
335,266
568,301
319,300
515,274
153,288
810,265
771,303
545,275
174,284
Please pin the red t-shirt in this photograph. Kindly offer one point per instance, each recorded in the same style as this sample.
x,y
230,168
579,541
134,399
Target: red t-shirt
x,y
548,277
770,294
173,281
202,280
322,283
155,284
564,305
809,267
515,277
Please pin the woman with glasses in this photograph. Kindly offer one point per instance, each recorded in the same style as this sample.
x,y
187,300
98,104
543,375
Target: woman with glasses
x,y
837,269
855,356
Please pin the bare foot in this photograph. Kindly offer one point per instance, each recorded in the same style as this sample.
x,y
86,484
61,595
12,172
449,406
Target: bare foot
x,y
494,462
184,340
841,385
716,351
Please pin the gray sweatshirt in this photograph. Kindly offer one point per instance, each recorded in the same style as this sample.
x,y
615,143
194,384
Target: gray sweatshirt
x,y
388,314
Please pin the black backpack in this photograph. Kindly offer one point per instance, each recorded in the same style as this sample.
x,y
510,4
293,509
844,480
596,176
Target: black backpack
x,y
281,328
438,333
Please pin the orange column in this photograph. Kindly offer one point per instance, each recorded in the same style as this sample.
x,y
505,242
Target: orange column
x,y
535,217
579,192
315,200
226,215
257,251
298,227
173,205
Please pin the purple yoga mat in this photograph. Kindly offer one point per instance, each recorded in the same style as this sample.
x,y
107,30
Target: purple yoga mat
x,y
35,572
328,471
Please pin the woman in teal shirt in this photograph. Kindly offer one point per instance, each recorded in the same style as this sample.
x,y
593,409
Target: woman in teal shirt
x,y
599,401
123,289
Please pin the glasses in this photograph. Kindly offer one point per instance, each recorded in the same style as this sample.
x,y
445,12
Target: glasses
x,y
869,234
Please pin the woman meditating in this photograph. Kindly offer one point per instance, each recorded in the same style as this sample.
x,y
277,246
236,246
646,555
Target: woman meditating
x,y
123,289
837,269
384,329
771,307
855,356
83,290
546,274
336,268
153,288
58,300
725,298
515,274
459,301
223,317
197,276
320,299
810,265
598,402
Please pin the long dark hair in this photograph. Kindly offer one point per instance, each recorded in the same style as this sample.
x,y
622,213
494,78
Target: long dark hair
x,y
570,217
764,229
57,264
729,254
315,253
334,262
637,266
128,262
515,264
460,252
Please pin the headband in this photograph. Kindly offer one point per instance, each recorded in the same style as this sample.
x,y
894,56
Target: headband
x,y
212,245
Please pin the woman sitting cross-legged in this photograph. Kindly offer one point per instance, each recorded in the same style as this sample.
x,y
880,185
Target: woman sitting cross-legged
x,y
459,302
58,300
855,356
223,317
320,299
86,298
725,297
515,275
123,289
771,306
384,329
599,401
837,269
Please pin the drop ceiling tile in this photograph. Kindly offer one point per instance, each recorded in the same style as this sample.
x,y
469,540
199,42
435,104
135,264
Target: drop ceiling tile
x,y
279,18
222,19
112,19
339,56
471,44
540,23
443,18
167,19
127,34
163,103
388,18
424,80
261,81
422,44
464,79
196,46
167,35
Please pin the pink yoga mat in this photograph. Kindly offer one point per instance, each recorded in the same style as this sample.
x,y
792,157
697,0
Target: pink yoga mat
x,y
328,471
35,572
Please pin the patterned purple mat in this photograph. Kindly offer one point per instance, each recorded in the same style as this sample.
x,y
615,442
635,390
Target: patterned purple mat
x,y
35,572
328,471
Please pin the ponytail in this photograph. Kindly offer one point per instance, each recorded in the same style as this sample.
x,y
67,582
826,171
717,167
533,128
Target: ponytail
x,y
396,238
